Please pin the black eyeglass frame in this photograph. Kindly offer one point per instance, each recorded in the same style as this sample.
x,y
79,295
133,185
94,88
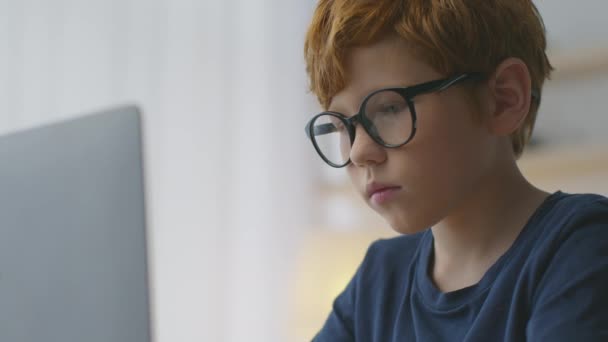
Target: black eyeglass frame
x,y
408,94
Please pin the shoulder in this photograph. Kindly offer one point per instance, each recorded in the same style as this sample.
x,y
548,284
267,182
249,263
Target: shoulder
x,y
570,225
567,214
386,257
573,242
570,300
571,205
394,249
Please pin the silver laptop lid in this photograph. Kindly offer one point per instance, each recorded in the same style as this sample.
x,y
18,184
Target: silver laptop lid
x,y
72,232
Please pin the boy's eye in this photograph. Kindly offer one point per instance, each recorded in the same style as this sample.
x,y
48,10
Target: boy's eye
x,y
385,103
389,108
392,108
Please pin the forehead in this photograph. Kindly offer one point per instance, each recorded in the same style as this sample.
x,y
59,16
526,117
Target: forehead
x,y
386,63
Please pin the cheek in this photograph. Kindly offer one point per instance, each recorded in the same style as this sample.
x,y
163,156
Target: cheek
x,y
356,177
449,134
445,158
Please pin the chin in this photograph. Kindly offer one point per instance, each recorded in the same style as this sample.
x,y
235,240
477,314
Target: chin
x,y
404,220
406,217
405,227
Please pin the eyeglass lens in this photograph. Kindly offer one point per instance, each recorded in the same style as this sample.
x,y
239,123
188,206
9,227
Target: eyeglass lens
x,y
388,118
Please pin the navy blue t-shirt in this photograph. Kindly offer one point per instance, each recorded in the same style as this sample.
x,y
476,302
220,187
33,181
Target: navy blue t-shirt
x,y
551,285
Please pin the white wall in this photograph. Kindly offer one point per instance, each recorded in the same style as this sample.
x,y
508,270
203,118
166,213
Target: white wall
x,y
574,24
573,109
223,89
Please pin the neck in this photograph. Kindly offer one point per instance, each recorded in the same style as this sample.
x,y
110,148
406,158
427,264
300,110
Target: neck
x,y
469,240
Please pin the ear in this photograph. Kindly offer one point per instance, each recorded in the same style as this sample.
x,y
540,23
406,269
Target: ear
x,y
510,90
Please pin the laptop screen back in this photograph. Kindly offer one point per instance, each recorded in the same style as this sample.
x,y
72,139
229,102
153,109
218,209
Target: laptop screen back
x,y
72,232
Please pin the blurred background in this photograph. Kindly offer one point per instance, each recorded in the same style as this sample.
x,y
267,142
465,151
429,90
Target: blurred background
x,y
251,235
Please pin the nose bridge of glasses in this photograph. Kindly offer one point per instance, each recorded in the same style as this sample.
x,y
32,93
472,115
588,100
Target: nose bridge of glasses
x,y
368,126
364,148
363,129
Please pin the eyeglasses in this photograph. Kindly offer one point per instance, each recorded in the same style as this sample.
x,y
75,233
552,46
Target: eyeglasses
x,y
388,115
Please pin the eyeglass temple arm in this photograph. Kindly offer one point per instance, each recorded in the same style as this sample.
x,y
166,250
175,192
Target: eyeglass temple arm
x,y
321,129
536,95
440,86
477,75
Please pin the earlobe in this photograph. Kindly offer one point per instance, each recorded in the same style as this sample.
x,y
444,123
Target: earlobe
x,y
510,87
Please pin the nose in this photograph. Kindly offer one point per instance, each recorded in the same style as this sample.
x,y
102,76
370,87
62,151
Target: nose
x,y
365,150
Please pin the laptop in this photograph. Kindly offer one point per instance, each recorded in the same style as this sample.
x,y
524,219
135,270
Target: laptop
x,y
72,232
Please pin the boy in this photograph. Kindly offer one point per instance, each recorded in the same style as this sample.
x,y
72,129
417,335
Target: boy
x,y
428,105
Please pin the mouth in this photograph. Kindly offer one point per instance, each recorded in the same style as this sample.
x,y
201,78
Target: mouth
x,y
379,193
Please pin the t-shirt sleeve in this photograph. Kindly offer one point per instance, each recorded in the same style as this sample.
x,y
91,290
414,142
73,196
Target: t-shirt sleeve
x,y
571,302
340,325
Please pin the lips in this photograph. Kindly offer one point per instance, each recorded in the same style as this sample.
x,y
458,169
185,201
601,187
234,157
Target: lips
x,y
378,188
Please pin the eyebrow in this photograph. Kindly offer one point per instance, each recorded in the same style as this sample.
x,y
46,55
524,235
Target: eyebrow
x,y
358,107
333,110
399,85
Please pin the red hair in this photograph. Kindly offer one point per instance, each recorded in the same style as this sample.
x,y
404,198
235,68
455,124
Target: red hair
x,y
451,35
